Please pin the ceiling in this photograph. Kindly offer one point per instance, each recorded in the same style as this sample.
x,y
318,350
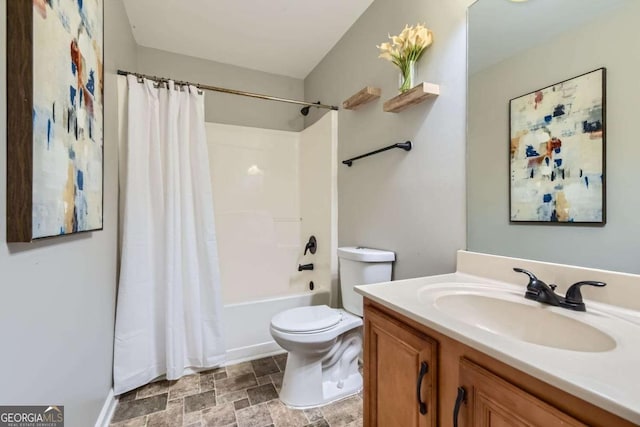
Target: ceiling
x,y
286,37
499,28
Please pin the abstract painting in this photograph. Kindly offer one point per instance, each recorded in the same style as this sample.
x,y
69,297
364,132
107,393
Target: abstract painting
x,y
557,152
62,143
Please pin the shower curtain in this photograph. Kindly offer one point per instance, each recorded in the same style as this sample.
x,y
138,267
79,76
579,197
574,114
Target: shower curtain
x,y
168,317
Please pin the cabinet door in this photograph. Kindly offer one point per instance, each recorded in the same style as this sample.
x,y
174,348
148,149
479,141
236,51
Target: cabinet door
x,y
400,367
493,402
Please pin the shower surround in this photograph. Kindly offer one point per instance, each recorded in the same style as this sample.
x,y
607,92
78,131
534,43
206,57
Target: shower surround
x,y
272,190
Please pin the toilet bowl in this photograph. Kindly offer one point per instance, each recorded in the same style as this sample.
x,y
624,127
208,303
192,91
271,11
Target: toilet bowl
x,y
324,343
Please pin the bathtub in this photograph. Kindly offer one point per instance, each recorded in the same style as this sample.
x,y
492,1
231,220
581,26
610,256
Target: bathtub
x,y
246,327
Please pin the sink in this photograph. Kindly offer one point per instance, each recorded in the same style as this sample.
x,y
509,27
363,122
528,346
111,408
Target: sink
x,y
504,314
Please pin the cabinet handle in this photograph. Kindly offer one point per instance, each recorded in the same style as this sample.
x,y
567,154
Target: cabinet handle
x,y
462,395
424,368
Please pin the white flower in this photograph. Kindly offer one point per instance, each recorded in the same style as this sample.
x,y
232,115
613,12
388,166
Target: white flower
x,y
407,46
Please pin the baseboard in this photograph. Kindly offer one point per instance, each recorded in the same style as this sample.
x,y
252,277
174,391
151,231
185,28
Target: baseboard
x,y
107,411
252,352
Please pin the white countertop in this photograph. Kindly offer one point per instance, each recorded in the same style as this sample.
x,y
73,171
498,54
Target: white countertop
x,y
609,379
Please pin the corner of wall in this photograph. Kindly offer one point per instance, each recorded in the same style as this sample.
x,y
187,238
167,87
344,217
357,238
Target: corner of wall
x,y
401,201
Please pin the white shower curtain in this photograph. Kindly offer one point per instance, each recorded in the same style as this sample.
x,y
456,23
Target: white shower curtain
x,y
168,316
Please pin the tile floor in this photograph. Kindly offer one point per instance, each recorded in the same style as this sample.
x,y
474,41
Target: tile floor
x,y
242,395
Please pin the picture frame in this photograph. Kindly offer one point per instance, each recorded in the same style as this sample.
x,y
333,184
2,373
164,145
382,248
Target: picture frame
x,y
557,153
55,117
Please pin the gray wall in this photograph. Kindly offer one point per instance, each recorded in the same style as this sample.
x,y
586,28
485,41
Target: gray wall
x,y
412,203
612,42
57,297
225,108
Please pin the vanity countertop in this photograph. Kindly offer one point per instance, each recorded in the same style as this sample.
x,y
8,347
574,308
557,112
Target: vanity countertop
x,y
609,379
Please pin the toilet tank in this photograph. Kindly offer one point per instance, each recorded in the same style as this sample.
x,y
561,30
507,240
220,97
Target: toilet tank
x,y
362,266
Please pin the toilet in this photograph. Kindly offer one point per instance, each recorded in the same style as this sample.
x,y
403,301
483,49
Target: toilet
x,y
324,343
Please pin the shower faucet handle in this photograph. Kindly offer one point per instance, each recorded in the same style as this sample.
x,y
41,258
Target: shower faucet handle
x,y
311,246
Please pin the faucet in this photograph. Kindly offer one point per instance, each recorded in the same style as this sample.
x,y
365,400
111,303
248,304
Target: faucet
x,y
302,267
573,300
537,290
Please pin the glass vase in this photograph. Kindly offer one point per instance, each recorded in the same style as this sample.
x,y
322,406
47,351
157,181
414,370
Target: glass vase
x,y
407,76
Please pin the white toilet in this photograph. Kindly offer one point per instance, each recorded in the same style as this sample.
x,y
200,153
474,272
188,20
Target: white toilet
x,y
324,343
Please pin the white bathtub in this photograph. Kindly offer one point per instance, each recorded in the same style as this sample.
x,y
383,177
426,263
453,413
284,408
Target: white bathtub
x,y
247,324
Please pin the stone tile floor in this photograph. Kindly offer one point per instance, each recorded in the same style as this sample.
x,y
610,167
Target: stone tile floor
x,y
242,395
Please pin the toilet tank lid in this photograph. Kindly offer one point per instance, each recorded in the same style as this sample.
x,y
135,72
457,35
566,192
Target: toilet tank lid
x,y
365,254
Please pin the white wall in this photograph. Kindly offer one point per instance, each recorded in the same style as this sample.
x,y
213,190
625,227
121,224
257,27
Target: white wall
x,y
319,202
226,108
255,181
57,297
611,42
411,203
272,190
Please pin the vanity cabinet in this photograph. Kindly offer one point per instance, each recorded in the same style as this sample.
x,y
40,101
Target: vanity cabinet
x,y
400,374
496,394
491,401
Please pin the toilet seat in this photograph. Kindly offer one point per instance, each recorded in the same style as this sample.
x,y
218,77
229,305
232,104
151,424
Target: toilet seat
x,y
307,320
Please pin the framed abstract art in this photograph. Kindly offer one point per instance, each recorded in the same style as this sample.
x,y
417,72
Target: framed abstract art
x,y
54,118
557,153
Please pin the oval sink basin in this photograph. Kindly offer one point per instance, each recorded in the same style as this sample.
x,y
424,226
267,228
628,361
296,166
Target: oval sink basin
x,y
524,322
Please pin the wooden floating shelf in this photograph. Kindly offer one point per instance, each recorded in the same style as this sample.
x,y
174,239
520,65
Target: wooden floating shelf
x,y
411,97
364,96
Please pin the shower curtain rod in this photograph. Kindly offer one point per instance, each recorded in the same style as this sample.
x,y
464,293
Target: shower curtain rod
x,y
230,91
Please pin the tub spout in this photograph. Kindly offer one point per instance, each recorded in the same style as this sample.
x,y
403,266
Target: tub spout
x,y
302,267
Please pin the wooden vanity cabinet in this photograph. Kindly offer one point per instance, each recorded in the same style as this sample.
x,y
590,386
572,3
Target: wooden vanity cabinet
x,y
496,394
491,401
400,374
